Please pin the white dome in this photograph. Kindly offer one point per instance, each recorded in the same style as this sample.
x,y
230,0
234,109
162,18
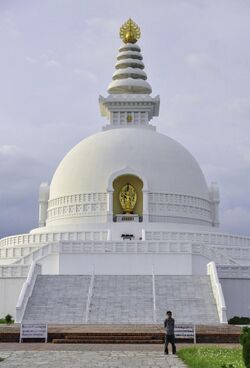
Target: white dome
x,y
164,164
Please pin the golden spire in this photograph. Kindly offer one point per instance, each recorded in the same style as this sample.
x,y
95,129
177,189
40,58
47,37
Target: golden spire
x,y
130,32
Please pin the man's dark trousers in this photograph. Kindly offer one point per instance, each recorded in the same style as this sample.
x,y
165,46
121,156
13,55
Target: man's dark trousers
x,y
170,339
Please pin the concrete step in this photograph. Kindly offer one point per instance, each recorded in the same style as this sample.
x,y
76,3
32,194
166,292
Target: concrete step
x,y
190,298
121,299
106,341
58,299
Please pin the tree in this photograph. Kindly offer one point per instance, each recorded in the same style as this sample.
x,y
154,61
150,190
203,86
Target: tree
x,y
245,342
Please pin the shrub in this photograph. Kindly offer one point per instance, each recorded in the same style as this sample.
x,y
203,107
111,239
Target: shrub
x,y
236,320
8,319
245,342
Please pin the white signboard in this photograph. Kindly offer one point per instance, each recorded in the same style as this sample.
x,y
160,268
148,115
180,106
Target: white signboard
x,y
185,331
34,331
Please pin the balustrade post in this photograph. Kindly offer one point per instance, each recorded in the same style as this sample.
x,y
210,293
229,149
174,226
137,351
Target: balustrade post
x,y
145,206
154,299
110,206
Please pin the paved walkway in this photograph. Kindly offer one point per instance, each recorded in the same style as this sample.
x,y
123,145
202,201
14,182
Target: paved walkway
x,y
89,359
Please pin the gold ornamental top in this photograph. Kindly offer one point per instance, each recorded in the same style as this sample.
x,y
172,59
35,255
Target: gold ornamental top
x,y
130,32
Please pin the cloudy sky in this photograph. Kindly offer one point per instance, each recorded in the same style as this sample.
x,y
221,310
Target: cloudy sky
x,y
57,56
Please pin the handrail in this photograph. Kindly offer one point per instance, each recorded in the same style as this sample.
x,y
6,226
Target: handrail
x,y
90,293
217,292
26,291
154,298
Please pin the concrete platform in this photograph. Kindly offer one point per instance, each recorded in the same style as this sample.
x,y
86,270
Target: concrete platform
x,y
133,334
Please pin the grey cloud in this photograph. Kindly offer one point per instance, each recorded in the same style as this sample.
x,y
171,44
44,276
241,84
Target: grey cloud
x,y
239,108
200,61
20,178
236,220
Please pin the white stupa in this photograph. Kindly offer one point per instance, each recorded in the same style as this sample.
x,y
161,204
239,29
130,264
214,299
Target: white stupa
x,y
128,226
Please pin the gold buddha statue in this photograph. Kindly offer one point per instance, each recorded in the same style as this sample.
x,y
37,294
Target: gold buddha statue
x,y
128,198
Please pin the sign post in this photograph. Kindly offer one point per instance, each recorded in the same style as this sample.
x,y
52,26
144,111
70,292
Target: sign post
x,y
184,331
33,331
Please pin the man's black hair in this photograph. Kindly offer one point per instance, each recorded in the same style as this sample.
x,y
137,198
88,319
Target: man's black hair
x,y
169,312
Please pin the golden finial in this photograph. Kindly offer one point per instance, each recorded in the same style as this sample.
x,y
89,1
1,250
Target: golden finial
x,y
130,32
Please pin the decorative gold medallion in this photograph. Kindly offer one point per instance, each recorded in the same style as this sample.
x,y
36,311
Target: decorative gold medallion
x,y
128,198
129,118
130,32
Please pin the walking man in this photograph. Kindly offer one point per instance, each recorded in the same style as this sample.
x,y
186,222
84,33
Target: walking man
x,y
169,336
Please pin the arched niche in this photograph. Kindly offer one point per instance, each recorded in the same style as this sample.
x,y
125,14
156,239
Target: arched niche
x,y
118,184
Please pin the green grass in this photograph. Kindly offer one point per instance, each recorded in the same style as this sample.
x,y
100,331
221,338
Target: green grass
x,y
3,321
212,357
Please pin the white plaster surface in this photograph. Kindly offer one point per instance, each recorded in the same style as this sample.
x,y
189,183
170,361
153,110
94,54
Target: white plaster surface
x,y
9,292
125,264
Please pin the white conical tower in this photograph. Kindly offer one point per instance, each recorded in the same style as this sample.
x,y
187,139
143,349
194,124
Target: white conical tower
x,y
129,76
129,103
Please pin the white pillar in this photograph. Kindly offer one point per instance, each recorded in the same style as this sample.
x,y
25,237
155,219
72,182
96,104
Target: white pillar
x,y
110,206
215,200
109,235
216,222
145,206
43,203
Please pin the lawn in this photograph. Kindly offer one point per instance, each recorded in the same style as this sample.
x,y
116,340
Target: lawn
x,y
212,357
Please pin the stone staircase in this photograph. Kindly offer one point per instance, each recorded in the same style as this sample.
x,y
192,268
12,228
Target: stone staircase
x,y
120,299
58,299
190,298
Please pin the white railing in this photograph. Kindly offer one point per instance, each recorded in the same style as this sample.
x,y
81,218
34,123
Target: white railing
x,y
39,253
235,272
14,252
7,271
154,298
43,238
125,247
26,291
90,293
237,253
222,255
217,292
210,238
213,254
